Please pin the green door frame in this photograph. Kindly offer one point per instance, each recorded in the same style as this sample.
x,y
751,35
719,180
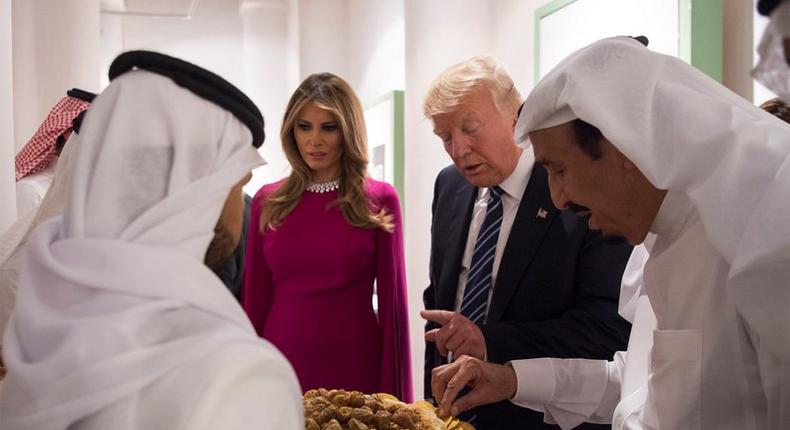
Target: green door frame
x,y
396,98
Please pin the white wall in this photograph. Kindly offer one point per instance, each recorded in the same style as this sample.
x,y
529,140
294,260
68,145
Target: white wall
x,y
514,26
266,77
376,52
25,76
55,47
7,150
211,39
111,44
292,46
322,37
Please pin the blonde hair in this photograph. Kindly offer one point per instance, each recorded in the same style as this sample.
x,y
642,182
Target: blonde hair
x,y
335,95
777,108
448,90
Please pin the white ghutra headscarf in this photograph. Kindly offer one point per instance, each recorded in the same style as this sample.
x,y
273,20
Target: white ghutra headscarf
x,y
689,134
115,294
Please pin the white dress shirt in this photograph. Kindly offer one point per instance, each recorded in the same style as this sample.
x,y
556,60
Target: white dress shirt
x,y
31,189
513,187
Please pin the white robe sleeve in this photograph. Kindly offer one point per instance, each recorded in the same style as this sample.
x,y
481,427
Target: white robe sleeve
x,y
762,299
252,393
30,190
570,391
9,283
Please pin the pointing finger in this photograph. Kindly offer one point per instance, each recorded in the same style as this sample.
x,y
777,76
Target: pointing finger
x,y
437,316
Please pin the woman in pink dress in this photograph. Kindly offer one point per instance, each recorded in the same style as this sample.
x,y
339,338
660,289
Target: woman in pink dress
x,y
319,241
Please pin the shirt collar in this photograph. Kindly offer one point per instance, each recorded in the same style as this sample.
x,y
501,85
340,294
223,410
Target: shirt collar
x,y
675,211
516,183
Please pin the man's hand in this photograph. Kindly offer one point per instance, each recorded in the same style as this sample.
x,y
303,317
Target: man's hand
x,y
490,383
458,334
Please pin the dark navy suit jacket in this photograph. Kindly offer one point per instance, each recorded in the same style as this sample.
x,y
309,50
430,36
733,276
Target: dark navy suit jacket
x,y
556,292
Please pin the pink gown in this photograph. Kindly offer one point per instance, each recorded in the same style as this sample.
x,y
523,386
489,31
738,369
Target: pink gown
x,y
308,289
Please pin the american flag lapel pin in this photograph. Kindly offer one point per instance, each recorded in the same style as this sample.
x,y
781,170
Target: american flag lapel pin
x,y
542,213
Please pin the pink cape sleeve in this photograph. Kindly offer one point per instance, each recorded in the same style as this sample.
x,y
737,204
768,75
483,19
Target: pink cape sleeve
x,y
395,377
256,291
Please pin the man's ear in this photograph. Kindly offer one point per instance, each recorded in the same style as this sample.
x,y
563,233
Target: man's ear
x,y
518,114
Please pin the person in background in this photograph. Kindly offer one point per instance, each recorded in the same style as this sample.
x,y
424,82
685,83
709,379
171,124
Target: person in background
x,y
511,277
319,241
231,271
718,285
777,108
773,68
119,322
12,242
35,163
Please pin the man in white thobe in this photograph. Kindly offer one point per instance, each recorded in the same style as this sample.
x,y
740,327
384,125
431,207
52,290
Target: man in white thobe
x,y
119,322
56,137
646,143
35,164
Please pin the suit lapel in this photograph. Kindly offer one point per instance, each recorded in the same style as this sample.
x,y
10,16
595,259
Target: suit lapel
x,y
456,242
535,214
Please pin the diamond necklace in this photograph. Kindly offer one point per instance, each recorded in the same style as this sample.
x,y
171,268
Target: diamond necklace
x,y
323,187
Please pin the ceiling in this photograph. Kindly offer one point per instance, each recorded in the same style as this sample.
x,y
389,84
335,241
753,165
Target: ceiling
x,y
165,8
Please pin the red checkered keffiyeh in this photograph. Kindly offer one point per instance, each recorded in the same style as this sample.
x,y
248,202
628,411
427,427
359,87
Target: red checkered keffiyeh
x,y
39,151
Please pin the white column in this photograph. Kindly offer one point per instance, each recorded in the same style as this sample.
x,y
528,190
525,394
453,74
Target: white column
x,y
7,189
322,37
26,111
737,24
267,81
376,47
56,47
437,37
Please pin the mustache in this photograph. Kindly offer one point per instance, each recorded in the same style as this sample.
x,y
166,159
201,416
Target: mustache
x,y
578,209
584,211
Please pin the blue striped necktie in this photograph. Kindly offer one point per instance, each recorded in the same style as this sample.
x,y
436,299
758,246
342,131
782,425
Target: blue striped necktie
x,y
478,283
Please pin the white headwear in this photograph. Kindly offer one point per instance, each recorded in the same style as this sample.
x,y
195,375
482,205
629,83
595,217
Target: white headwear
x,y
689,134
115,294
772,70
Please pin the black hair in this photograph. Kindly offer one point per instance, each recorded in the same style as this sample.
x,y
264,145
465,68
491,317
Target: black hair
x,y
777,108
766,7
588,137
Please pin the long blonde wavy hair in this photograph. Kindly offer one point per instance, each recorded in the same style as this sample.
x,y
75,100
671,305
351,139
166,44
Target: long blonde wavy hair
x,y
335,95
